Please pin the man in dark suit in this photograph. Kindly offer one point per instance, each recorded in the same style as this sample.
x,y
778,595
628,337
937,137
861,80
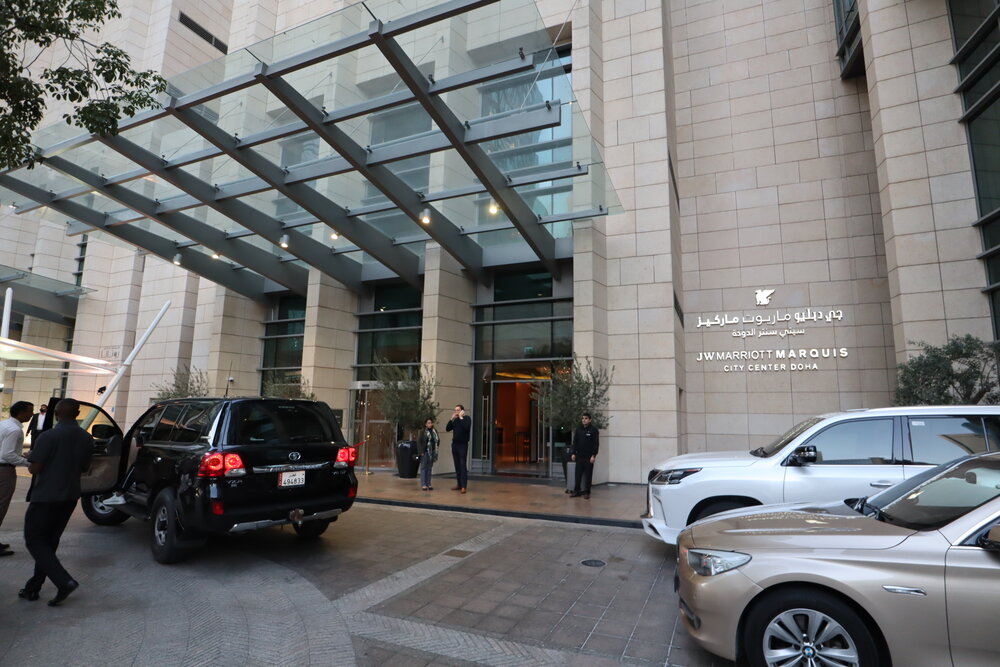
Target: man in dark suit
x,y
586,443
56,462
39,422
460,426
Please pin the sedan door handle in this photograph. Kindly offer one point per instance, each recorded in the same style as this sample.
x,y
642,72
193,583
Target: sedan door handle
x,y
882,484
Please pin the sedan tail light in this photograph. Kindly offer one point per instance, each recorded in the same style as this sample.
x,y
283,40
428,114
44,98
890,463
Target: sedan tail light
x,y
219,464
347,455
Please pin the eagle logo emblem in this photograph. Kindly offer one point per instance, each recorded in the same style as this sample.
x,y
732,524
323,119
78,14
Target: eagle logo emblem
x,y
763,296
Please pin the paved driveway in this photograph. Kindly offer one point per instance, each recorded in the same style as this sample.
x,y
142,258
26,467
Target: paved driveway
x,y
393,586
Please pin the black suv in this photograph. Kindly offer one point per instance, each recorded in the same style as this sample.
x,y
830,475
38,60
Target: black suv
x,y
220,465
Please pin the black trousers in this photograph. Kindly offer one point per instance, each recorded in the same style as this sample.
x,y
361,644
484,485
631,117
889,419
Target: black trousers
x,y
460,453
584,473
44,524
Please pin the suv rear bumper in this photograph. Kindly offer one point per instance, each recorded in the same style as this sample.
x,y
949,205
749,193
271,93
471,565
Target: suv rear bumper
x,y
266,523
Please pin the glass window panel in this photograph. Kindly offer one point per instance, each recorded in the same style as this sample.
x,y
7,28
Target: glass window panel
x,y
942,439
283,352
513,286
45,178
993,269
984,139
285,328
390,296
991,234
522,341
195,421
484,343
993,432
967,16
562,338
290,307
562,308
390,320
394,346
863,442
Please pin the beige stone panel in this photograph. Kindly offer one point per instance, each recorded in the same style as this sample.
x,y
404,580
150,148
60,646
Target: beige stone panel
x,y
966,303
720,423
627,458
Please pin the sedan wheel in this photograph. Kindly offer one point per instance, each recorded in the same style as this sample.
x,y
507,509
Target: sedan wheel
x,y
809,635
807,629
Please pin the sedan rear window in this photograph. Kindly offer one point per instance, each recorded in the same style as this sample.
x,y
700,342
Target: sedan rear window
x,y
274,422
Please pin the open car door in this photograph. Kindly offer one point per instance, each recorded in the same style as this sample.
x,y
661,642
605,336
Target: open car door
x,y
105,465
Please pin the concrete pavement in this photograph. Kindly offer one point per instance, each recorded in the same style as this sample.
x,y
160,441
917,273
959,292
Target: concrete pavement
x,y
384,586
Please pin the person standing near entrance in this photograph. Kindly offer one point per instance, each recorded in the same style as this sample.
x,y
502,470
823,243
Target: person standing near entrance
x,y
38,423
460,426
57,460
11,446
586,442
427,447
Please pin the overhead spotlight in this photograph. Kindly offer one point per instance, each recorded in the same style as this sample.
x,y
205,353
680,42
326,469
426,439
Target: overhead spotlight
x,y
425,216
334,236
215,255
493,209
177,259
283,241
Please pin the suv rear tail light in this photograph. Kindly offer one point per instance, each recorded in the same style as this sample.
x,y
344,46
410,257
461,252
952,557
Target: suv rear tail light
x,y
347,455
219,464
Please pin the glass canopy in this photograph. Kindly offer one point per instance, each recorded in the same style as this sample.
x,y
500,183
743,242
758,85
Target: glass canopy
x,y
344,145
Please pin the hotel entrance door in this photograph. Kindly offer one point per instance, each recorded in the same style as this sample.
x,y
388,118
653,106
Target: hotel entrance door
x,y
514,430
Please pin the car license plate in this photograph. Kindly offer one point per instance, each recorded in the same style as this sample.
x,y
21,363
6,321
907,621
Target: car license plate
x,y
294,478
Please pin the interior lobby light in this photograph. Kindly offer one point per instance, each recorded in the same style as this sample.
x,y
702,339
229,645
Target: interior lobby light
x,y
425,216
177,259
493,209
283,241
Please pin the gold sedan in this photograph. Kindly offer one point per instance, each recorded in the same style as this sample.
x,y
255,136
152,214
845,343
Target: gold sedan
x,y
908,577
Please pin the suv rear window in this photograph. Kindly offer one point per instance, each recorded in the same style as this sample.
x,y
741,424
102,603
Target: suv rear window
x,y
274,422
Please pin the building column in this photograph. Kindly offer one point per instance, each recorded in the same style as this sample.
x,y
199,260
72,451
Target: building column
x,y
329,342
227,340
925,178
447,338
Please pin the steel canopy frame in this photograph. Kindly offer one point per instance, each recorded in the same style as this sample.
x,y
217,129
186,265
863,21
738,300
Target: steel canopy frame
x,y
517,210
257,266
241,281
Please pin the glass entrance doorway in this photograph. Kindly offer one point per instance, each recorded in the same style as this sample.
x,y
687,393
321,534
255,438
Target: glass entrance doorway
x,y
518,443
370,427
510,437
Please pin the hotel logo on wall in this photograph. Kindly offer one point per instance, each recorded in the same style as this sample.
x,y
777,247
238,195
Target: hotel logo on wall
x,y
759,326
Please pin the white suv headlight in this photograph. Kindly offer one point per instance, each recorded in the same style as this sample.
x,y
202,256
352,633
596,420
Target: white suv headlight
x,y
709,562
673,476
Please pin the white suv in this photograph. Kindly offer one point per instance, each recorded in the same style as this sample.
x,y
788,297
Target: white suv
x,y
823,459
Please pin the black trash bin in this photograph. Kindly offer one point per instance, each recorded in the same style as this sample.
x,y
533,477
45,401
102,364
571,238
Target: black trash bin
x,y
407,459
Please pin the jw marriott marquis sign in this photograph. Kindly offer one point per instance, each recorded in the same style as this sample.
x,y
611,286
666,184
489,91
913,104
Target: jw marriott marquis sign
x,y
786,326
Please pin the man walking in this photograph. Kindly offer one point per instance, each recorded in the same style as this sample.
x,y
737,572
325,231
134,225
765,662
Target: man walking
x,y
586,442
460,426
38,422
57,460
11,446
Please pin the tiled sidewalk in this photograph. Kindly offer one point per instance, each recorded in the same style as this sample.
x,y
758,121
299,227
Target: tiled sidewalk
x,y
609,504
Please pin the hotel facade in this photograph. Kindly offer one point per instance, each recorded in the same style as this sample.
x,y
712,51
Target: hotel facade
x,y
751,210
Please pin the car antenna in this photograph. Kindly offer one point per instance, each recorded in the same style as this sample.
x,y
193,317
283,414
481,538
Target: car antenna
x,y
229,380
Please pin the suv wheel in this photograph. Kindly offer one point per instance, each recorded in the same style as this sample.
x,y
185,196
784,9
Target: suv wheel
x,y
165,536
311,530
101,514
716,507
806,627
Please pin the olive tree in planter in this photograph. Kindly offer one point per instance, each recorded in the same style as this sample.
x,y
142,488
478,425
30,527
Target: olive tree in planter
x,y
405,398
575,388
185,382
962,371
275,388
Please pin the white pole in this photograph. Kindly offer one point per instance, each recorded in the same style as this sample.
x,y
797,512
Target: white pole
x,y
8,304
110,387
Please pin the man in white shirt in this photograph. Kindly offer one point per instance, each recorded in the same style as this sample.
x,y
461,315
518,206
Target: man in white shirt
x,y
11,447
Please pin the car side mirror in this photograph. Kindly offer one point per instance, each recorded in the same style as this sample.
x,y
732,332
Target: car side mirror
x,y
991,540
803,456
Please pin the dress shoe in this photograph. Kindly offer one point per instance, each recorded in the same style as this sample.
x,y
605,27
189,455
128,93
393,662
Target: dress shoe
x,y
64,592
586,496
6,552
430,488
456,488
28,594
575,494
463,490
4,546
